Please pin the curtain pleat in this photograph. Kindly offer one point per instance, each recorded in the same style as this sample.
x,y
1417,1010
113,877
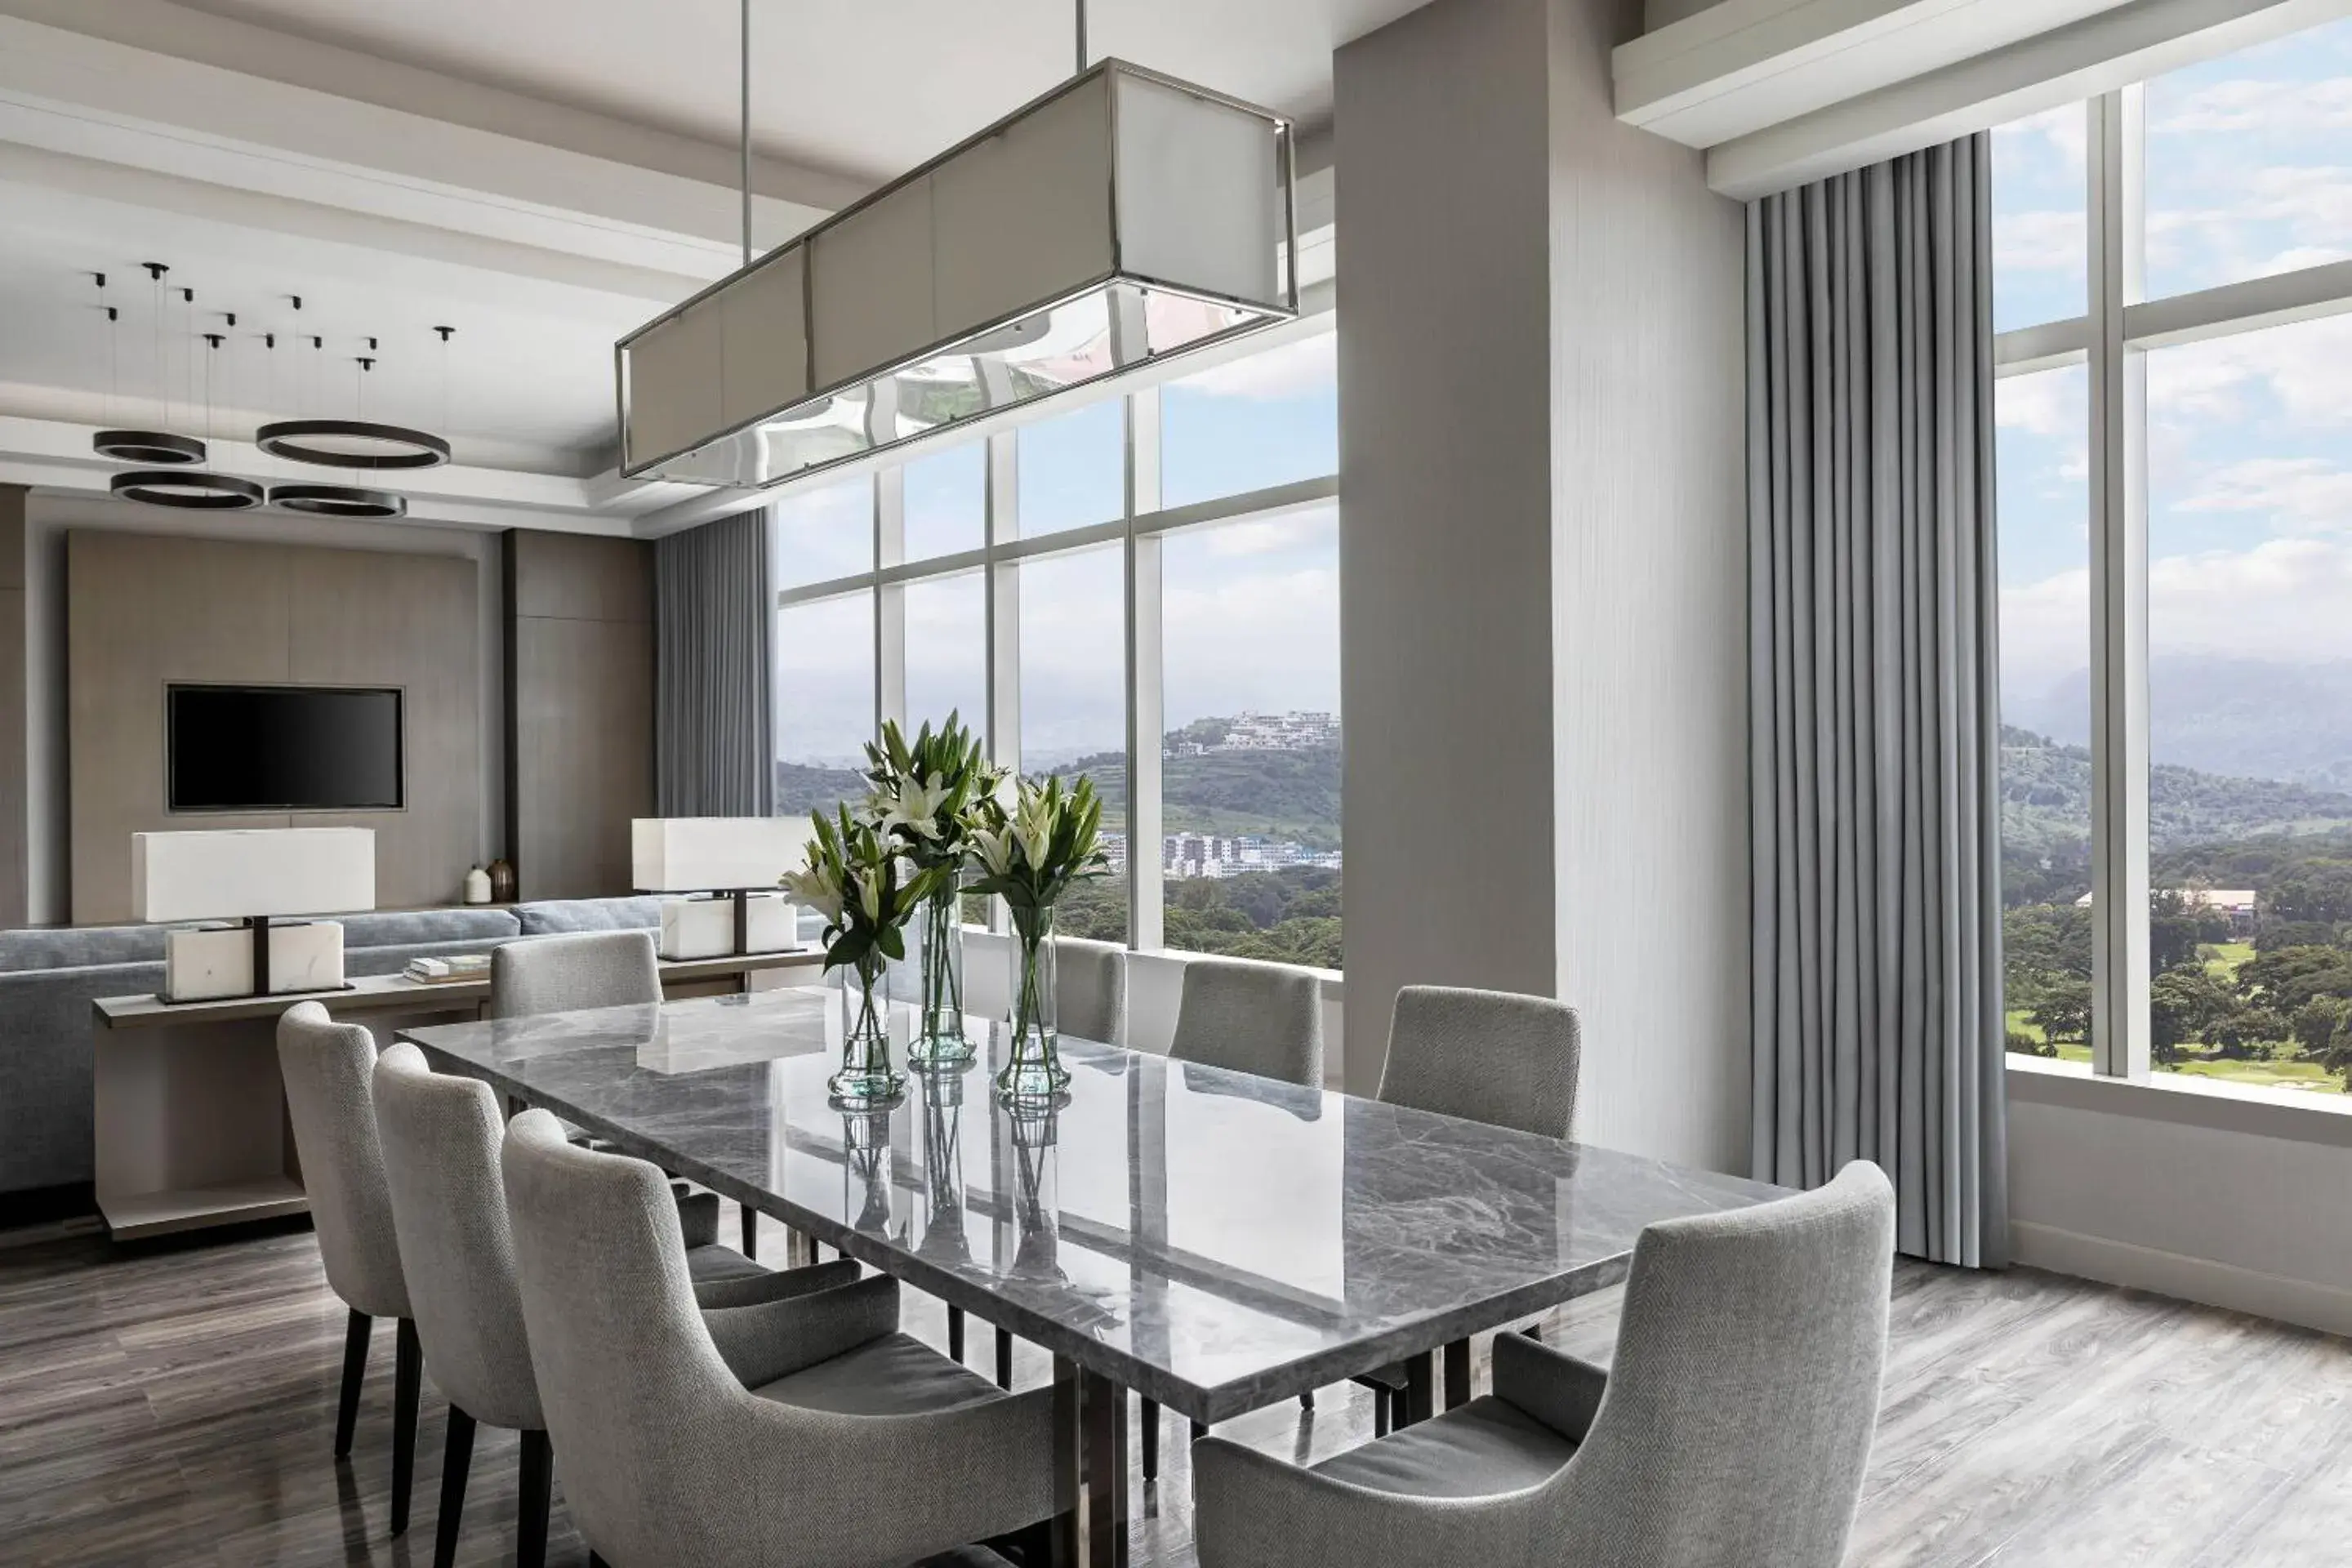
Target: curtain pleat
x,y
1872,694
713,726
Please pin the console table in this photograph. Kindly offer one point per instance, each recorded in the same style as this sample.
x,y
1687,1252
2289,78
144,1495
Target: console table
x,y
190,1125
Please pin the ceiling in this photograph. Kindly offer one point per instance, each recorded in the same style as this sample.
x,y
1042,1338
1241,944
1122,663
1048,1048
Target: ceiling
x,y
861,88
543,175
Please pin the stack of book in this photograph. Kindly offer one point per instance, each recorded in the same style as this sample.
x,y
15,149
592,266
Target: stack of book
x,y
451,971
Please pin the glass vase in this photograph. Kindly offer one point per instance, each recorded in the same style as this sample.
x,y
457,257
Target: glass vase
x,y
866,1079
1034,1073
939,1041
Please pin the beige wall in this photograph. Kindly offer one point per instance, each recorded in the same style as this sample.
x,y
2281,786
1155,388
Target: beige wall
x,y
14,805
142,610
580,710
1542,578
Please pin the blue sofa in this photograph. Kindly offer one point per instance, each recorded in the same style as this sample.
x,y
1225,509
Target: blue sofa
x,y
49,977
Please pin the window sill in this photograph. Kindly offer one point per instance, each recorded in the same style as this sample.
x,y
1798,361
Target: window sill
x,y
2184,1101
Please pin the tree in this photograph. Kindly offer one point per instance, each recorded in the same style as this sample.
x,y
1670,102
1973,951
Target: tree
x,y
2287,978
2317,1024
2063,1012
2183,1005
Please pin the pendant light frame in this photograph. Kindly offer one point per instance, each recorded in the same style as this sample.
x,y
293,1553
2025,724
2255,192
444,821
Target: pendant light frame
x,y
147,449
687,412
338,500
286,438
187,489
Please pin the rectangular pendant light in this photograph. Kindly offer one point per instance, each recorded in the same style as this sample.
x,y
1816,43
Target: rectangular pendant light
x,y
1123,218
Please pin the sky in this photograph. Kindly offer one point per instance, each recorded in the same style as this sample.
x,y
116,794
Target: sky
x,y
2248,173
1250,609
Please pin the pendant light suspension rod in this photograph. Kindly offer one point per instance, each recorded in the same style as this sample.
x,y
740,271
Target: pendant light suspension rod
x,y
1082,37
746,149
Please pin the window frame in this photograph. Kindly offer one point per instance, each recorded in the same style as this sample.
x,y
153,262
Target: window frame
x,y
1139,533
2113,338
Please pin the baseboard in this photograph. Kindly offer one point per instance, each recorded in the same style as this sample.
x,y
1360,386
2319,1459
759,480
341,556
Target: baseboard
x,y
2327,1308
44,1214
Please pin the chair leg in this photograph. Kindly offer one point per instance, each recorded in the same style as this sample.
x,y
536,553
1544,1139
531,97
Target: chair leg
x,y
1534,1332
455,1460
407,1377
1003,1359
750,1231
1306,1402
347,1407
955,1333
1149,1413
531,1501
1199,1431
1380,1412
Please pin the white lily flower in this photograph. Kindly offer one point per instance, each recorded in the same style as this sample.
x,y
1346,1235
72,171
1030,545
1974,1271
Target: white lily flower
x,y
916,807
994,847
869,895
816,887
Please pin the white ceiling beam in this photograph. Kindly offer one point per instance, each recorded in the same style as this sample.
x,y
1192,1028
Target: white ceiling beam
x,y
1740,65
153,61
2098,53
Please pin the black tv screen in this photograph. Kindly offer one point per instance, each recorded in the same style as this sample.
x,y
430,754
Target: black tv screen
x,y
283,748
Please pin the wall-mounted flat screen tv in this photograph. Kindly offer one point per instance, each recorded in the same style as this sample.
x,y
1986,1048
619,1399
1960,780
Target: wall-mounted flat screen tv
x,y
283,748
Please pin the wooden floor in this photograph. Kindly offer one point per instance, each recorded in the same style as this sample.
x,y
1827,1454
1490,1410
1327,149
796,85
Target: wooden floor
x,y
175,1405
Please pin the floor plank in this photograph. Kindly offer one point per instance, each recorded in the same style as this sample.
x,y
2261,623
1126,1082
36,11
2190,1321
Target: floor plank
x,y
174,1404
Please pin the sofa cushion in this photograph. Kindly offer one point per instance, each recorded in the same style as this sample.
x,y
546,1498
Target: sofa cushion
x,y
552,915
411,928
45,1107
79,947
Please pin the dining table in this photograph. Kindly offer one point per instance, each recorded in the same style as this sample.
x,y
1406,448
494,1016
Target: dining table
x,y
1207,1240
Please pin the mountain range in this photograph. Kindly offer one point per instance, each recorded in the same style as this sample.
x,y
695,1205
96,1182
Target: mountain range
x,y
2244,718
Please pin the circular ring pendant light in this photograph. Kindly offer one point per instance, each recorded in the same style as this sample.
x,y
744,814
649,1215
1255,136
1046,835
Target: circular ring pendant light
x,y
148,449
351,444
187,489
338,500
153,447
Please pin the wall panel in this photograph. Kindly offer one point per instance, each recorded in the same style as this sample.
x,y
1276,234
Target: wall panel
x,y
144,610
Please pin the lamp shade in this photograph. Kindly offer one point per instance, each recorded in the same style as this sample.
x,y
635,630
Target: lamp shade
x,y
1123,218
240,873
706,854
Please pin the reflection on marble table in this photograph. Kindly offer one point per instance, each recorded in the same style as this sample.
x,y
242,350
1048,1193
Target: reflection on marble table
x,y
1213,1240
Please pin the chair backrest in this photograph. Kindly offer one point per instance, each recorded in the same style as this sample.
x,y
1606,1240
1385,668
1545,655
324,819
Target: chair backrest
x,y
1738,1417
624,1368
1251,1017
579,970
329,1098
441,1135
1485,1055
1090,989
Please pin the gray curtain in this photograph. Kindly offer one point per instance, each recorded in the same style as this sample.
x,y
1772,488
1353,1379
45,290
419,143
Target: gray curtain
x,y
713,747
1874,704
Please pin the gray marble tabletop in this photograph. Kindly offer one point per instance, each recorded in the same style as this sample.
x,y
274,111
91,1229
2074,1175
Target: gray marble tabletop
x,y
1210,1239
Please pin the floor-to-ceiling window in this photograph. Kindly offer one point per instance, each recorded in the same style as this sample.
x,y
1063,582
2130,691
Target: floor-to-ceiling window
x,y
1143,589
2173,299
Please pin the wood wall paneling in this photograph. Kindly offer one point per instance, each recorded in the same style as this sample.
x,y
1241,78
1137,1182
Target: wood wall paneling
x,y
144,610
580,668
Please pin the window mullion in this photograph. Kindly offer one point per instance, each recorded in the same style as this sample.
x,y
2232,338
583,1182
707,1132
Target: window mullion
x,y
1145,720
889,599
2119,814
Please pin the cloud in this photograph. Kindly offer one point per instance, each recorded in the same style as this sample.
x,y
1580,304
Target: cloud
x,y
2304,367
2299,494
2049,241
2061,133
2283,599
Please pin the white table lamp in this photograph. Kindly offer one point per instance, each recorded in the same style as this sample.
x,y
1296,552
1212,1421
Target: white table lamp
x,y
741,856
256,876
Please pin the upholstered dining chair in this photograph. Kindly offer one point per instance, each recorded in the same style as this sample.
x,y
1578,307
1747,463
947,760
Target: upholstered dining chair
x,y
575,970
1494,1057
441,1134
1731,1431
1090,989
756,1433
329,1069
1259,1018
